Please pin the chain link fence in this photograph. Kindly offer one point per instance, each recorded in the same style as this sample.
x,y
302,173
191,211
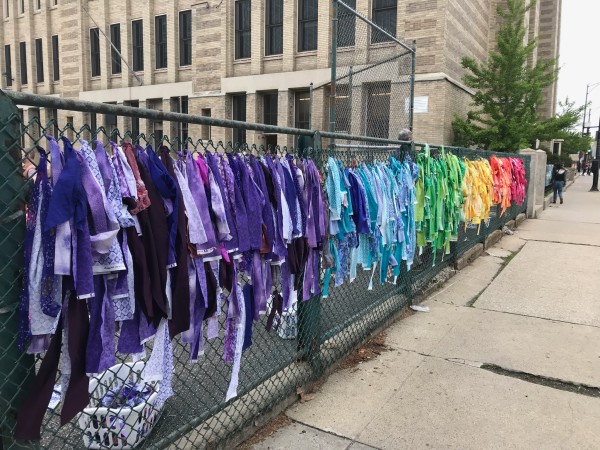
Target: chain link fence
x,y
272,369
372,74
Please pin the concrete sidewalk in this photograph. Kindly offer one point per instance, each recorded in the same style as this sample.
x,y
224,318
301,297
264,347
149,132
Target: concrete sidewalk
x,y
507,357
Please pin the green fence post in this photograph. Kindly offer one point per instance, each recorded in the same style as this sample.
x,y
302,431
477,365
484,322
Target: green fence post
x,y
16,369
309,312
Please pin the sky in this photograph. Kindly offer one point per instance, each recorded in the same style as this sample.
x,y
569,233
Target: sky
x,y
579,57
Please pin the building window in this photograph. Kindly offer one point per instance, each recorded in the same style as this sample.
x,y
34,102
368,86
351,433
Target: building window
x,y
274,24
378,110
7,8
55,61
270,108
239,113
39,61
52,124
180,129
307,25
384,15
185,38
135,121
137,33
38,4
115,48
23,61
95,51
346,25
160,36
302,110
242,29
156,126
21,6
110,124
8,66
343,109
205,130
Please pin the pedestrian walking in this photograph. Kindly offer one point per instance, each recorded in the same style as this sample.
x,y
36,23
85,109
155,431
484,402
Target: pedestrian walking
x,y
559,177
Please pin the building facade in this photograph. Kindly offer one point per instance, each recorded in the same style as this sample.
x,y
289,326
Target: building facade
x,y
247,60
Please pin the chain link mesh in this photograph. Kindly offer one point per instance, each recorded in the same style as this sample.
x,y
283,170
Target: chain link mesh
x,y
373,72
197,415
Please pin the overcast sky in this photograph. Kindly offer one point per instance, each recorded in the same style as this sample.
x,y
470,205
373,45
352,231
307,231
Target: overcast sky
x,y
579,53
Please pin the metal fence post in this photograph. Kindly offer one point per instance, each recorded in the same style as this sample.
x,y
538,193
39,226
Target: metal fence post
x,y
413,64
332,93
16,369
309,312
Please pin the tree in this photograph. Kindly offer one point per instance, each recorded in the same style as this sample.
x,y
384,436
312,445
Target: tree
x,y
508,89
574,141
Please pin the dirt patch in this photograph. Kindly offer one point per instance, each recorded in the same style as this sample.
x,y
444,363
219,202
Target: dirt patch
x,y
268,430
366,352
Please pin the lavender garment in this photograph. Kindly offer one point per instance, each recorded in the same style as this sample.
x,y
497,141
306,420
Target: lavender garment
x,y
241,214
298,180
112,187
234,340
69,203
100,351
254,202
32,318
62,259
291,196
209,248
196,232
279,246
107,253
222,212
267,209
228,184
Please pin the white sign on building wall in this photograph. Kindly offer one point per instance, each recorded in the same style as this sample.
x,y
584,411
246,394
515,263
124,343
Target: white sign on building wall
x,y
421,105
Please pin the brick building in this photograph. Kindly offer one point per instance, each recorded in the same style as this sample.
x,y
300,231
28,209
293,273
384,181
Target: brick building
x,y
239,59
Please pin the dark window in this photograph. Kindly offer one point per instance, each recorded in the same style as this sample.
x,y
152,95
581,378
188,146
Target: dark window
x,y
6,8
38,4
384,15
8,66
346,25
93,124
115,39
95,51
343,109
135,121
274,23
180,129
23,61
110,124
55,61
185,38
55,2
239,113
205,129
242,29
39,61
302,109
307,25
270,108
52,125
160,36
21,6
137,38
378,110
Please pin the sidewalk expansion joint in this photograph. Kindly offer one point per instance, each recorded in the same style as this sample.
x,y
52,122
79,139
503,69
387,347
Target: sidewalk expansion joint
x,y
559,242
555,383
541,318
332,433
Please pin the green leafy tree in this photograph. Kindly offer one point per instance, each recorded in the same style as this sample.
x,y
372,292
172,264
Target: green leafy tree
x,y
508,89
574,141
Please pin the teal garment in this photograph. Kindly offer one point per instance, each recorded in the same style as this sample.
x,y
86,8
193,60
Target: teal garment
x,y
334,192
